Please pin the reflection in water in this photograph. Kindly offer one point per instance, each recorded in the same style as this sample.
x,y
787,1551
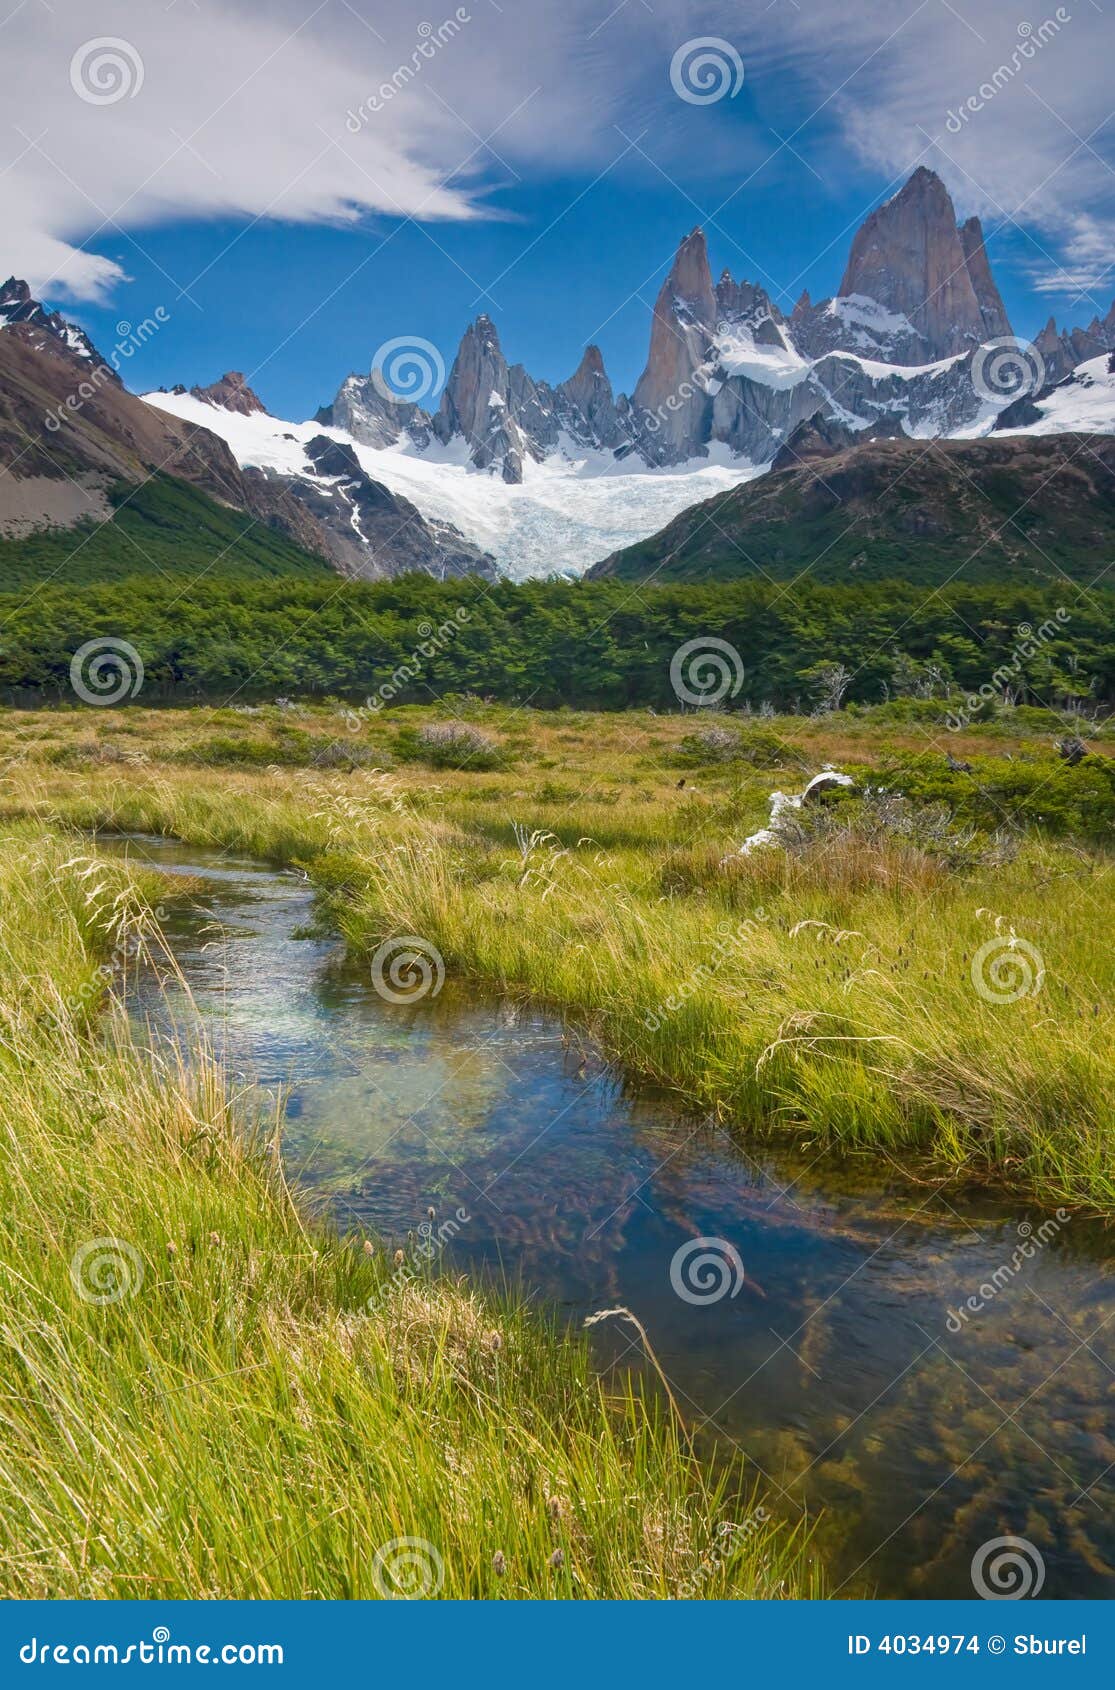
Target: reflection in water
x,y
833,1365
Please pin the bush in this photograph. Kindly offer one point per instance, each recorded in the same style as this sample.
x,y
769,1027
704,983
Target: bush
x,y
880,820
289,749
1039,791
449,745
761,747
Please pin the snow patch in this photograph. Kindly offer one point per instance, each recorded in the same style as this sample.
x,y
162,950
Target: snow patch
x,y
741,354
1084,403
859,311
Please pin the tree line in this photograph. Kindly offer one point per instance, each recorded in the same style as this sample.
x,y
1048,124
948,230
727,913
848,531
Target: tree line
x,y
587,644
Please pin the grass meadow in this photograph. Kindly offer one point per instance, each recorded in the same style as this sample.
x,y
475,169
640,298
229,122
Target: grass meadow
x,y
206,1394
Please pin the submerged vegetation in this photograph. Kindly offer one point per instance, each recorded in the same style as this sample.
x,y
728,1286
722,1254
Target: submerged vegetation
x,y
204,1394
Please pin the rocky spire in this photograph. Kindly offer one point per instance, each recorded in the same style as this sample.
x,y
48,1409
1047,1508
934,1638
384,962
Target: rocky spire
x,y
670,392
232,393
475,402
588,383
909,259
747,305
1056,351
479,372
996,323
585,405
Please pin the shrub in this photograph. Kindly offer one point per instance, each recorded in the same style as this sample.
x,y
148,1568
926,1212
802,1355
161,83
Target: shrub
x,y
1037,791
449,745
882,820
761,747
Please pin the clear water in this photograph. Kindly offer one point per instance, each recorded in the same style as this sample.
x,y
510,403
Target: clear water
x,y
832,1366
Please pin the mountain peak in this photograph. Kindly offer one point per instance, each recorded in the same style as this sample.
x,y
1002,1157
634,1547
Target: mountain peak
x,y
923,179
681,334
592,363
690,278
996,323
18,306
475,402
231,393
14,292
908,258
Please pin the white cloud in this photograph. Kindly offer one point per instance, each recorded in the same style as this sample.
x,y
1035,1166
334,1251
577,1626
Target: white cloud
x,y
242,110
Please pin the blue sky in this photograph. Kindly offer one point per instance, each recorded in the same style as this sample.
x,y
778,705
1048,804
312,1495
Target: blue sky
x,y
288,234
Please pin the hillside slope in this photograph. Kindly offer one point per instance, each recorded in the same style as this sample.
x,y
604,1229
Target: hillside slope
x,y
161,527
1012,508
75,444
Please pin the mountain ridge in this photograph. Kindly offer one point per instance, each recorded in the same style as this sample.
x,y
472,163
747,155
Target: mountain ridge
x,y
70,433
836,509
906,339
915,345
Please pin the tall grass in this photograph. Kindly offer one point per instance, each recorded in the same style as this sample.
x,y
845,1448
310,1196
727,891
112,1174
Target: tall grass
x,y
850,993
851,1015
203,1395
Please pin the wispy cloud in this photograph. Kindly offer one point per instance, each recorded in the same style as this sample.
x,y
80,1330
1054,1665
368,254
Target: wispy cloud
x,y
243,104
237,109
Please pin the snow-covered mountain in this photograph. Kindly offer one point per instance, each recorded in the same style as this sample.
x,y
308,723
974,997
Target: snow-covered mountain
x,y
1083,403
545,476
45,328
571,507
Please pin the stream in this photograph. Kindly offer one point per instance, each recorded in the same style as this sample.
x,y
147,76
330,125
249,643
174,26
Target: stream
x,y
818,1332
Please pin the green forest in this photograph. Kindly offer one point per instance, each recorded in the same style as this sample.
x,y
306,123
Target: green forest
x,y
587,645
